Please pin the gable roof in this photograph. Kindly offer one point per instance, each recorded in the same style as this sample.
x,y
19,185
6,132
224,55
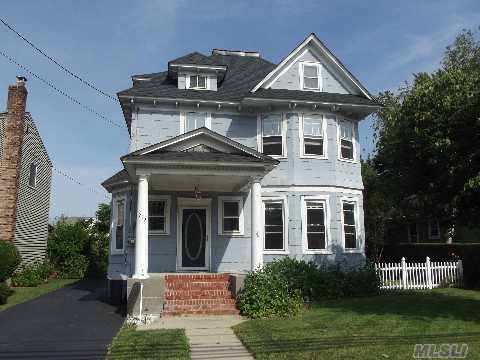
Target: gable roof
x,y
237,149
315,41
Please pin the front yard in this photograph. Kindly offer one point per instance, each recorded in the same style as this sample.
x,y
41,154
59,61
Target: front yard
x,y
22,294
381,327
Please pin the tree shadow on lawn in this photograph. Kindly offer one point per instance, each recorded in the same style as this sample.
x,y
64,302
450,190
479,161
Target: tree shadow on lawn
x,y
451,304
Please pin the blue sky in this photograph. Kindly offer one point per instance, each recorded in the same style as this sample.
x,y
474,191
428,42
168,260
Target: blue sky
x,y
381,42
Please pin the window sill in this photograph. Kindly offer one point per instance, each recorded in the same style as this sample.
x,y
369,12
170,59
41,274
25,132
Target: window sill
x,y
348,161
352,251
276,252
236,234
314,157
318,252
158,233
117,252
278,157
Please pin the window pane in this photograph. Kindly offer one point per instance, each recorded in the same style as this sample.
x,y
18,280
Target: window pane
x,y
193,81
350,241
120,213
156,223
119,237
313,146
33,175
272,125
272,145
231,224
156,208
194,121
312,126
316,241
346,130
434,229
230,208
202,82
348,214
346,149
273,226
310,83
310,70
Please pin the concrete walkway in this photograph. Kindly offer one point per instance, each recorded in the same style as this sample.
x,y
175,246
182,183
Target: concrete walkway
x,y
210,337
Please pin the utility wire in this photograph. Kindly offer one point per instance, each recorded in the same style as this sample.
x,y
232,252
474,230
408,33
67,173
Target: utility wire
x,y
72,179
65,69
61,92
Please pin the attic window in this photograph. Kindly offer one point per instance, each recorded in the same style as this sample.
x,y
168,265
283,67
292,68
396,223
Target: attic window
x,y
198,82
310,76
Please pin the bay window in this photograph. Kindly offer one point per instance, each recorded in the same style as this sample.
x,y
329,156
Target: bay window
x,y
313,138
118,233
315,225
350,230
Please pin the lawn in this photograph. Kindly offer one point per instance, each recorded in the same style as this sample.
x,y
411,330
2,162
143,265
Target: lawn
x,y
381,327
149,345
22,294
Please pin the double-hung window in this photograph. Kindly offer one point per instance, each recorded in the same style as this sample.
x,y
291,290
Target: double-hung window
x,y
198,82
313,138
230,215
274,231
159,215
346,140
433,230
310,76
32,176
194,120
272,134
119,225
350,230
315,227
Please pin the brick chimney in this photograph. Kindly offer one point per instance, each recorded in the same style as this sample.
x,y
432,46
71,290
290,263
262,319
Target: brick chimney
x,y
10,163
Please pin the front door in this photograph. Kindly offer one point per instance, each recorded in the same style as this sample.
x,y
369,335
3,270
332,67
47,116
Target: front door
x,y
194,239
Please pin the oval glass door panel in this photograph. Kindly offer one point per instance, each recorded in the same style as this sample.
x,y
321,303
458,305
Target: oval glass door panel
x,y
193,238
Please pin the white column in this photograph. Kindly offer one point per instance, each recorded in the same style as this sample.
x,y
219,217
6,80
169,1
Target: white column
x,y
141,240
257,224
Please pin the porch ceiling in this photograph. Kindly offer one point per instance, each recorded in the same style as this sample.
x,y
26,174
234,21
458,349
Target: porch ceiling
x,y
204,183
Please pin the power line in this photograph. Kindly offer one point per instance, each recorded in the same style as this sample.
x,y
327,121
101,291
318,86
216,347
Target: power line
x,y
71,178
69,72
60,91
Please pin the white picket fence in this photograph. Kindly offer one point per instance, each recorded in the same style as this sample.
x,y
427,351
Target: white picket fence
x,y
427,275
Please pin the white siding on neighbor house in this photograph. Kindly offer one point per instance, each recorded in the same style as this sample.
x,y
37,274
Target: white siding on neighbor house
x,y
291,78
33,204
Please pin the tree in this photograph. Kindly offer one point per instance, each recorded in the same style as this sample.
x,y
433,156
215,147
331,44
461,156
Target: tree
x,y
428,140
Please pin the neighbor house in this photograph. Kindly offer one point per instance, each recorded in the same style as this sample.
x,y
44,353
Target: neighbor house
x,y
25,178
235,161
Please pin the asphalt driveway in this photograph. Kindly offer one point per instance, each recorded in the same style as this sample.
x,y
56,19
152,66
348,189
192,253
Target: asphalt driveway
x,y
74,322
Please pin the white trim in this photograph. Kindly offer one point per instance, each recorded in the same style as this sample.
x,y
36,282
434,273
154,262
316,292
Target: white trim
x,y
113,229
324,135
196,67
192,203
239,200
434,237
325,51
283,200
318,65
183,118
167,199
308,188
326,200
338,120
283,123
187,82
358,229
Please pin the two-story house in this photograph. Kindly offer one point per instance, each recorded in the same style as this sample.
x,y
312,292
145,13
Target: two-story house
x,y
235,161
25,178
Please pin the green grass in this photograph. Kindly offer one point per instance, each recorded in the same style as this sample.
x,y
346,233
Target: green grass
x,y
381,327
22,294
149,344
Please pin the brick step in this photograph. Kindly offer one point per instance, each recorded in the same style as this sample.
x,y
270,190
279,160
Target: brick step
x,y
197,294
198,285
189,277
216,309
216,301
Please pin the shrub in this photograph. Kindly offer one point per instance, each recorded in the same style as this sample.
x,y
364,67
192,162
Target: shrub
x,y
9,259
471,270
267,295
32,275
5,292
74,267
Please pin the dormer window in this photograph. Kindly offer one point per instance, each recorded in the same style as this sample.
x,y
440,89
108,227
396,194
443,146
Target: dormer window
x,y
198,82
310,76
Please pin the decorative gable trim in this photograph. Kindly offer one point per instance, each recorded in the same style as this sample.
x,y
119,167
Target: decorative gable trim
x,y
298,52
